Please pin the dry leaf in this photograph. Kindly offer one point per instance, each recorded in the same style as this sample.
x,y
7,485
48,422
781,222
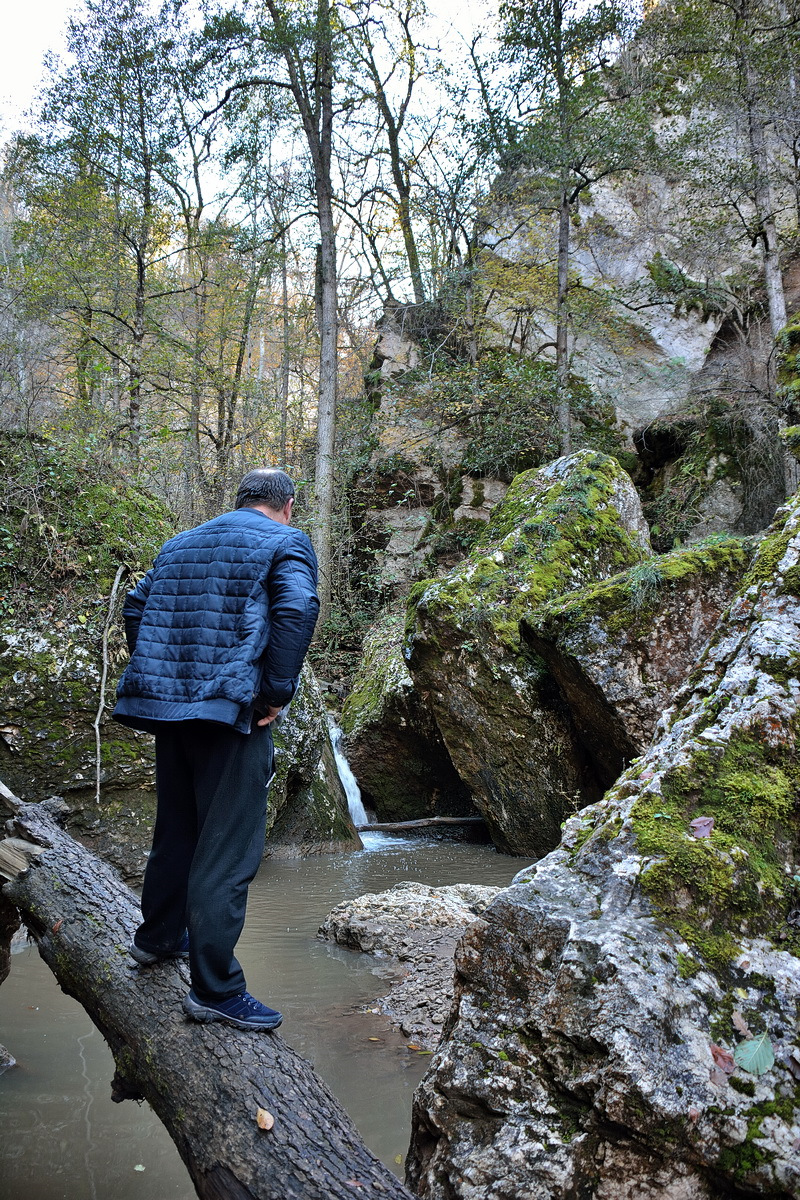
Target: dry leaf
x,y
792,1060
58,924
701,827
739,1024
718,1077
264,1119
414,1046
694,1114
723,1058
372,1039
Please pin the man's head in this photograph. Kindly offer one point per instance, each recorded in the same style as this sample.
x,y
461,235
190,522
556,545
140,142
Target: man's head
x,y
268,489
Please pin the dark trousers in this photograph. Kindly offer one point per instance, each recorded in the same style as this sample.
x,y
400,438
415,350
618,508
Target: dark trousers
x,y
208,842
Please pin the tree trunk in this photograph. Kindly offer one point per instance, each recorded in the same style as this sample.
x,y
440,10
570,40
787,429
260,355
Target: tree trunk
x,y
562,349
205,1082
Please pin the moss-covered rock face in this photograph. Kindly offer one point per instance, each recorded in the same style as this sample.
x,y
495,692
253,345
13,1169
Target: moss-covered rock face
x,y
393,744
507,730
620,649
67,527
619,990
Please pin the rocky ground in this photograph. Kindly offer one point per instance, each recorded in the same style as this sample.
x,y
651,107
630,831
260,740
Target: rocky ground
x,y
417,927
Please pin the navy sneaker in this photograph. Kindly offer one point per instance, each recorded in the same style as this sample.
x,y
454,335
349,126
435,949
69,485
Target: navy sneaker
x,y
243,1011
145,958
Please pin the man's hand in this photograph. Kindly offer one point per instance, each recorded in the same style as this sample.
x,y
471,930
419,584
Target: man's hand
x,y
272,713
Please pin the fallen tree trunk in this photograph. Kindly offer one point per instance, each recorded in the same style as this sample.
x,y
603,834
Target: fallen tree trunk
x,y
205,1082
421,823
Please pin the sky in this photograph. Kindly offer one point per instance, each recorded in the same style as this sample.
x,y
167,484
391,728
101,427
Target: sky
x,y
30,30
33,28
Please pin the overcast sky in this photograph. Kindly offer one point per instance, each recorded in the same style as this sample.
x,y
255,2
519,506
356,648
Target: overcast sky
x,y
32,27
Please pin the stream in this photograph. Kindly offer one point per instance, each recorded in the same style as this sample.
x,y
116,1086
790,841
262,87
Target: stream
x,y
63,1139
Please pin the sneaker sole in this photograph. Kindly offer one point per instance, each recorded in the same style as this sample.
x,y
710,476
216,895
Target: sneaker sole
x,y
198,1012
145,959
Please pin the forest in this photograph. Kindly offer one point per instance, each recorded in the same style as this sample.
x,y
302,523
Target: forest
x,y
512,293
214,209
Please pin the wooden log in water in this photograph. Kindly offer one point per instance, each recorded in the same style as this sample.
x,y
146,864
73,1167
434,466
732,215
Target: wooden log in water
x,y
205,1082
422,823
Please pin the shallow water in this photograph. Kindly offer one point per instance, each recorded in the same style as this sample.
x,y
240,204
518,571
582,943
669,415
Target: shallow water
x,y
63,1139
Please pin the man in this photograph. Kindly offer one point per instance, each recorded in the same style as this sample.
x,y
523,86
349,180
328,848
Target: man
x,y
217,630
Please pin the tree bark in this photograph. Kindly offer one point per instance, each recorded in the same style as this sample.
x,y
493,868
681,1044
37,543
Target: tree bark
x,y
205,1082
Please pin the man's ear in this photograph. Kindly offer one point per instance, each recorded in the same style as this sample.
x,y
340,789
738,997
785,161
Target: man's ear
x,y
287,508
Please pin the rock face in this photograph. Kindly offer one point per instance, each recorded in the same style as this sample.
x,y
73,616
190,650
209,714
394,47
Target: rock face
x,y
307,805
620,649
625,1016
508,731
418,927
393,744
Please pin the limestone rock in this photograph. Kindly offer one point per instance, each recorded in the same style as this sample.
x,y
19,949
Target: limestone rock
x,y
417,927
620,649
507,730
307,806
393,744
607,1002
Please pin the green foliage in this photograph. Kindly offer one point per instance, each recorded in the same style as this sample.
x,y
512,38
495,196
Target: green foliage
x,y
689,295
505,404
65,516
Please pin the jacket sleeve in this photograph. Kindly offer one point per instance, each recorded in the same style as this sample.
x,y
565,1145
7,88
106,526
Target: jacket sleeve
x,y
133,608
293,607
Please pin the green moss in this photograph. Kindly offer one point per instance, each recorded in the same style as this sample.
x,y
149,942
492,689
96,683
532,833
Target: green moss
x,y
381,672
688,967
740,1161
628,600
791,439
545,535
771,550
714,890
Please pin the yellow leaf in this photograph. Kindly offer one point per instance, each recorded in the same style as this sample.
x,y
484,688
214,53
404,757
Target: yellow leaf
x,y
373,1039
264,1119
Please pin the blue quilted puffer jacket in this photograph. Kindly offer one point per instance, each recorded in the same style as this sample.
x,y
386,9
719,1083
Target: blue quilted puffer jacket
x,y
219,627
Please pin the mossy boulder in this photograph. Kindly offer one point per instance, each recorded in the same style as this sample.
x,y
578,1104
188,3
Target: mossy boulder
x,y
393,743
625,1015
620,649
508,732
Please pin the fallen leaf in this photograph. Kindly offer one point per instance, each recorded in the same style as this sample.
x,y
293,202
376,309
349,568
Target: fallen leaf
x,y
56,928
718,1077
414,1046
398,1158
701,827
792,1060
264,1119
723,1058
138,1167
694,1114
373,1039
755,1055
739,1024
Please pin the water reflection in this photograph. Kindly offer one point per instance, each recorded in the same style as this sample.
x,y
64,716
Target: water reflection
x,y
63,1138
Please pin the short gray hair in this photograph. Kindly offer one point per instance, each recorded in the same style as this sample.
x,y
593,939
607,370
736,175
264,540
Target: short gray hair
x,y
266,485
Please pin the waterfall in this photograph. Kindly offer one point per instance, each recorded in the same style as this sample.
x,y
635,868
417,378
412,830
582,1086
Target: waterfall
x,y
358,814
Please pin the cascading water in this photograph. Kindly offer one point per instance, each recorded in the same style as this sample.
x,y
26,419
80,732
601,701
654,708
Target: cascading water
x,y
355,805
